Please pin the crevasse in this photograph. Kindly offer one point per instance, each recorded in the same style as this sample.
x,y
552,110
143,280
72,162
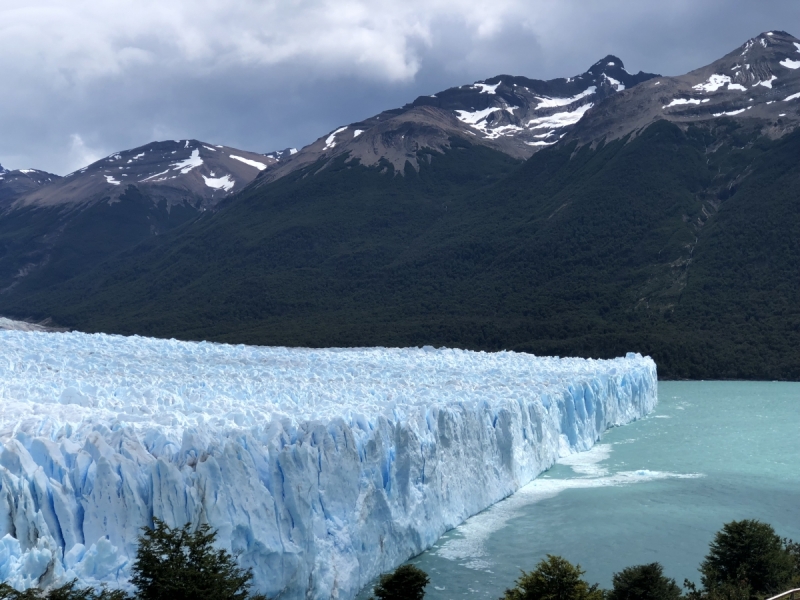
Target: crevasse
x,y
320,469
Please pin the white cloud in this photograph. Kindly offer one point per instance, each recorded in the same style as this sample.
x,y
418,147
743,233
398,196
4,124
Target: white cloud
x,y
266,74
70,41
80,154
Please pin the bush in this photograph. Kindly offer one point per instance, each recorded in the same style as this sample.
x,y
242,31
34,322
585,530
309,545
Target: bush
x,y
643,582
554,578
748,554
178,564
69,591
406,583
793,548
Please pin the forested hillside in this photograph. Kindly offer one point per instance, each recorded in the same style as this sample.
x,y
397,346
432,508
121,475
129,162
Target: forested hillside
x,y
676,242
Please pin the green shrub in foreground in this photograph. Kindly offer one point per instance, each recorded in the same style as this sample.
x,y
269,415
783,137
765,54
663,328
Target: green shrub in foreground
x,y
643,582
69,591
406,583
748,554
554,578
180,564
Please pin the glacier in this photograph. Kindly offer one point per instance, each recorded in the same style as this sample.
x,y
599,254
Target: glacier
x,y
319,469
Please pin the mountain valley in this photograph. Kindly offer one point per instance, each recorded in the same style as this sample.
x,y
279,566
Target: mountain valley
x,y
585,216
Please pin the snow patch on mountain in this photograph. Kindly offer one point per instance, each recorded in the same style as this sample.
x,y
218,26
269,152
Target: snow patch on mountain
x,y
153,177
790,64
110,179
562,119
485,88
331,141
253,163
220,183
187,164
714,82
731,113
501,130
545,102
617,85
792,97
473,118
684,101
767,83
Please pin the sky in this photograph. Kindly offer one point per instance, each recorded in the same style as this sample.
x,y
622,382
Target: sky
x,y
82,79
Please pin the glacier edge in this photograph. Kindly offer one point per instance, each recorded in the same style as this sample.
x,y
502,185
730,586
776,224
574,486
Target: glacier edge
x,y
320,469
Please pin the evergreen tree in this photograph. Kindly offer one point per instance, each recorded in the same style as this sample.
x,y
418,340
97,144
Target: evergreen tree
x,y
643,582
554,578
179,564
68,591
750,554
406,583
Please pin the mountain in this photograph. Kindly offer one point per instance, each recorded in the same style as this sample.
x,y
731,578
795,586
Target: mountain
x,y
52,228
668,231
17,183
514,115
758,83
174,172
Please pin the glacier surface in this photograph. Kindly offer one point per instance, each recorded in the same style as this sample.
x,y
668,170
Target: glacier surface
x,y
320,469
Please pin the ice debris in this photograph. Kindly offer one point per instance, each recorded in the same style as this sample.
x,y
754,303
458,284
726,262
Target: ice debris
x,y
319,468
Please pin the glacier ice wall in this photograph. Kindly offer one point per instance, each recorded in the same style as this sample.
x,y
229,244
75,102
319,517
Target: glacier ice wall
x,y
319,468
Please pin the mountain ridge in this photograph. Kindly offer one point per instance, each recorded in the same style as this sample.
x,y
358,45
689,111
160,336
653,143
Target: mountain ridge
x,y
670,235
19,182
512,114
758,81
175,171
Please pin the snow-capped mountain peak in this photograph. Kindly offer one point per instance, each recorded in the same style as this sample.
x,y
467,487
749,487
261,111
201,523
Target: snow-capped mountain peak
x,y
17,183
175,171
758,82
515,115
282,154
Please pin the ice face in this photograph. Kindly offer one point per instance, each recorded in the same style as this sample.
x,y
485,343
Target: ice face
x,y
319,468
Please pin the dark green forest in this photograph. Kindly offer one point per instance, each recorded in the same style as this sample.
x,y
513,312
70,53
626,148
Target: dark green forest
x,y
680,243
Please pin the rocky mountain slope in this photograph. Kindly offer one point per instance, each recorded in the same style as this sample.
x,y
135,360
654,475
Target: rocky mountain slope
x,y
758,83
658,223
511,114
175,172
17,183
52,228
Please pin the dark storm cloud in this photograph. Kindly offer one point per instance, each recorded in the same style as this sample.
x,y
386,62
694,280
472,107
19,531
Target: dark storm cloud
x,y
82,79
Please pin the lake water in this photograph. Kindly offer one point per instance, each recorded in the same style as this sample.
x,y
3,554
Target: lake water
x,y
655,490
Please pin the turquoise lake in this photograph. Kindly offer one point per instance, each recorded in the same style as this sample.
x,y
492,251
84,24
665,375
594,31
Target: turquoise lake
x,y
654,490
